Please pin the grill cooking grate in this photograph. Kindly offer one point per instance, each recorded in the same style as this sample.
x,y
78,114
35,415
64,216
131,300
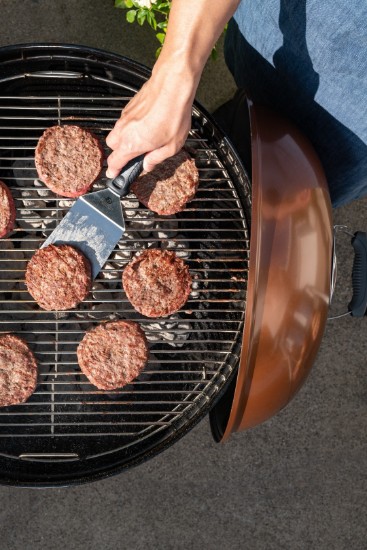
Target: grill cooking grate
x,y
193,351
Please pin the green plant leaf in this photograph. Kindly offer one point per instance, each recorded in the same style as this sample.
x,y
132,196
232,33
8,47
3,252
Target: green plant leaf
x,y
214,54
151,20
161,36
124,4
130,16
164,7
162,25
158,51
141,17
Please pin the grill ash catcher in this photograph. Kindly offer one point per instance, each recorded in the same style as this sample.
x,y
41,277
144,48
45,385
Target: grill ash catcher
x,y
260,252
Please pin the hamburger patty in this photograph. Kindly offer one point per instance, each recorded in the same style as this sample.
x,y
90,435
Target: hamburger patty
x,y
112,354
169,186
7,210
68,159
157,282
58,277
18,370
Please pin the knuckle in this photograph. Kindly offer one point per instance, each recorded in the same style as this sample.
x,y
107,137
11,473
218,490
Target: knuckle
x,y
111,141
120,122
112,160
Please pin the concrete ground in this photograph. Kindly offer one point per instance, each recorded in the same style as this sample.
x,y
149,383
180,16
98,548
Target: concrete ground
x,y
296,482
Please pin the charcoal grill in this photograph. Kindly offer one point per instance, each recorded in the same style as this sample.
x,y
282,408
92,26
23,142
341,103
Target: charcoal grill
x,y
68,431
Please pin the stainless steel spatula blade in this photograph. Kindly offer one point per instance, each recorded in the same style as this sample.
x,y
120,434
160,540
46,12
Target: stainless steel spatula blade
x,y
95,223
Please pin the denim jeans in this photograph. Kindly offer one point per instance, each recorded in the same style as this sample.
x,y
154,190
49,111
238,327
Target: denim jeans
x,y
308,60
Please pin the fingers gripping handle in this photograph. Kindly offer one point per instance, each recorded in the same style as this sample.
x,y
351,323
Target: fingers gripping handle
x,y
121,184
358,305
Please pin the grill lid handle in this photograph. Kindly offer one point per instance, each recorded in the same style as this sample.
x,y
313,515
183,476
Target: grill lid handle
x,y
121,184
358,305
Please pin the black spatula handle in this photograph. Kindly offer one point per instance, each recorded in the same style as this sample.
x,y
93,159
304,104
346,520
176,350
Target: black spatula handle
x,y
121,184
358,305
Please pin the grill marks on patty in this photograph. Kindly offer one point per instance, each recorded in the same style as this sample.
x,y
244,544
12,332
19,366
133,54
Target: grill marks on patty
x,y
169,186
113,354
7,210
18,370
157,282
58,277
68,159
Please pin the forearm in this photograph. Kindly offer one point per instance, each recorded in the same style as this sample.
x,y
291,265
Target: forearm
x,y
157,120
194,27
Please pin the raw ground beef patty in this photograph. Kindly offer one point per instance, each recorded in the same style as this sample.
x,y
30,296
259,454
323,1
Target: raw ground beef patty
x,y
18,370
157,282
112,354
58,277
169,186
68,159
7,210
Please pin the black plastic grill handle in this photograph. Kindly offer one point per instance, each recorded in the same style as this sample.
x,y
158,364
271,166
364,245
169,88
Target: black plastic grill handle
x,y
358,304
121,184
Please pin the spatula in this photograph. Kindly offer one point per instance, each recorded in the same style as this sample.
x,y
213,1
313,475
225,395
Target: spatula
x,y
95,223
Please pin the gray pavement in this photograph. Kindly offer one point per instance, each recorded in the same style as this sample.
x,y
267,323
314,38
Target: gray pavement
x,y
296,482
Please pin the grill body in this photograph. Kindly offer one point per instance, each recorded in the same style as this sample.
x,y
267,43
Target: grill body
x,y
68,431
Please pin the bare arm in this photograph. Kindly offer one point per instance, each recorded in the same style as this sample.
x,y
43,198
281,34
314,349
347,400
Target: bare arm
x,y
157,120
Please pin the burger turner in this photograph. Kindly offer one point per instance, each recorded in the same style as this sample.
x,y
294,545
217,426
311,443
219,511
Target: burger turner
x,y
95,223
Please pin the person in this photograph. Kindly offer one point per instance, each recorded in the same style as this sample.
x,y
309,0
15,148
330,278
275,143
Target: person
x,y
304,58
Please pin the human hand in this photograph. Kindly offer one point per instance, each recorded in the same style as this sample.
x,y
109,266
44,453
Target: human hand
x,y
156,121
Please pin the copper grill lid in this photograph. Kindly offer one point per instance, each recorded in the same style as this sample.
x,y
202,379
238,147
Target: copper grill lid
x,y
289,275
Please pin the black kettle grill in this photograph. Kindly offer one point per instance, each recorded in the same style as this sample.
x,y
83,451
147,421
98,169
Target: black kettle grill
x,y
70,432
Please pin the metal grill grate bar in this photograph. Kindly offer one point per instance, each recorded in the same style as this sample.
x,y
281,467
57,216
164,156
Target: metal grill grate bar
x,y
191,353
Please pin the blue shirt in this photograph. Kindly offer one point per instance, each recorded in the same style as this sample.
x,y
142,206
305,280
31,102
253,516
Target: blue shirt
x,y
308,59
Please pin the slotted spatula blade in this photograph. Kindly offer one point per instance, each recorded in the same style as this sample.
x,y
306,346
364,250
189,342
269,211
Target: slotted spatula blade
x,y
95,223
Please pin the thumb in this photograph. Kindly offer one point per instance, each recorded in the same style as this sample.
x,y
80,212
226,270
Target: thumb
x,y
117,160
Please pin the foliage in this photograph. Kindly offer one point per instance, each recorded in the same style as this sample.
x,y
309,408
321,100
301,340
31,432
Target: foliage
x,y
153,12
